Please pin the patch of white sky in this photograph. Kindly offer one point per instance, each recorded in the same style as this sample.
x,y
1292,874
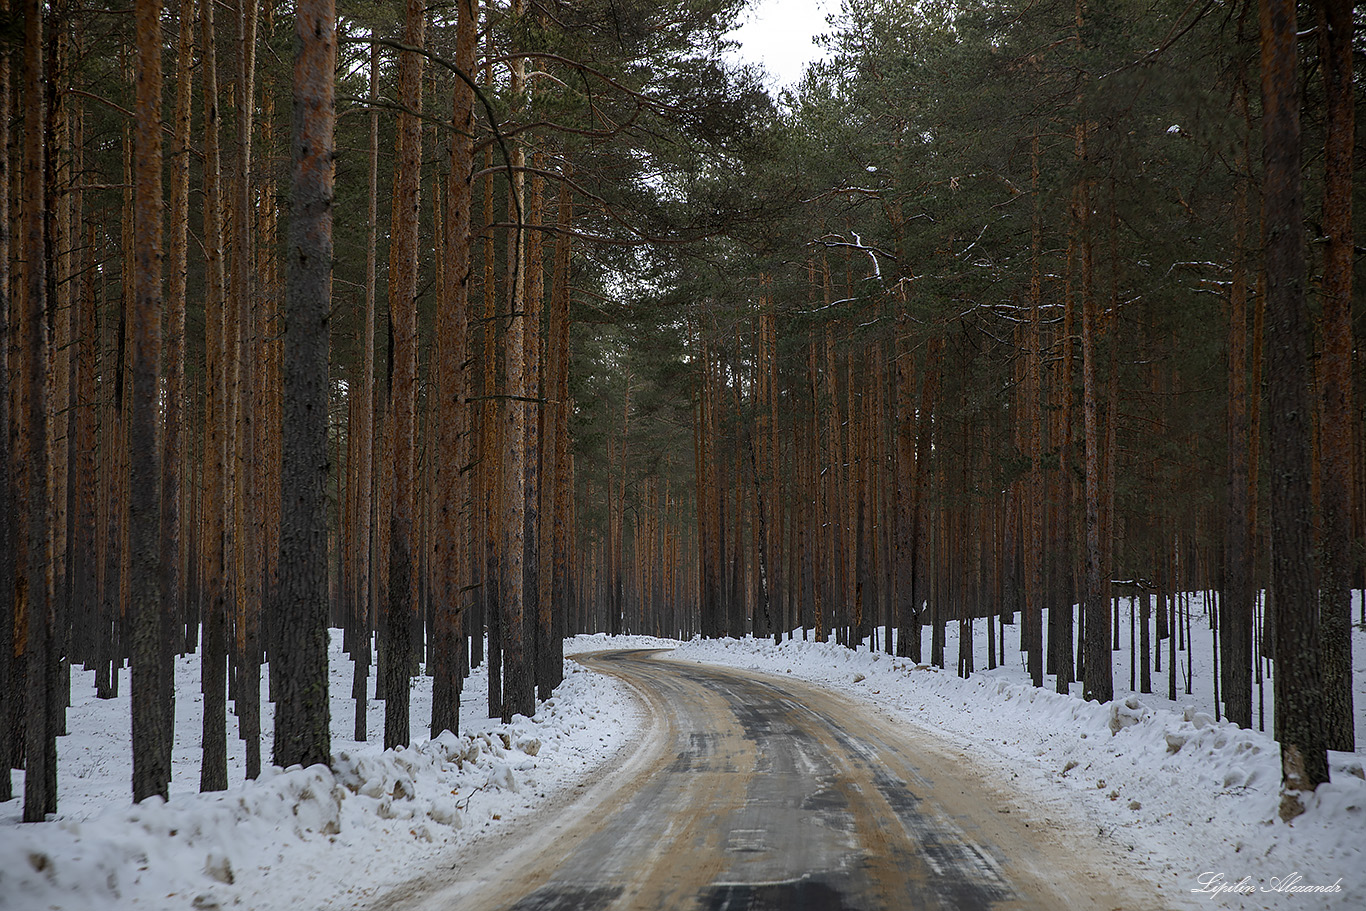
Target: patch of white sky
x,y
780,35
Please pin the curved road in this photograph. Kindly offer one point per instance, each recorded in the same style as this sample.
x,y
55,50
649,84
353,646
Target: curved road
x,y
749,793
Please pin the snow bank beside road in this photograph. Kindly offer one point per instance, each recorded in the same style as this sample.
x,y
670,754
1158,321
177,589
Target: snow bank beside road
x,y
297,838
1193,801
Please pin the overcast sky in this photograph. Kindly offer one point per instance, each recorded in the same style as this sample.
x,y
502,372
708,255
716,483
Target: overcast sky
x,y
778,33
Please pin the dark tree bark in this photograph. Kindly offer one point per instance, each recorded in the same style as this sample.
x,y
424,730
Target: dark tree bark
x,y
490,461
559,480
365,482
1335,427
213,773
905,474
152,734
173,438
33,605
1238,597
531,419
302,716
247,492
518,675
403,393
920,561
451,554
1033,507
11,694
59,291
1097,675
1294,589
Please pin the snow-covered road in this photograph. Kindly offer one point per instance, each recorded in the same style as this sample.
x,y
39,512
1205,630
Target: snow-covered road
x,y
752,791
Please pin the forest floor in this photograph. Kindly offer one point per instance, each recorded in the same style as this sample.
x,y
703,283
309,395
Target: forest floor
x,y
1188,802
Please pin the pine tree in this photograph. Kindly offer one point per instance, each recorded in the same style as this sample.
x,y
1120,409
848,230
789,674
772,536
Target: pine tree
x,y
403,275
152,734
173,496
213,772
451,553
11,696
302,713
33,608
1299,713
1335,385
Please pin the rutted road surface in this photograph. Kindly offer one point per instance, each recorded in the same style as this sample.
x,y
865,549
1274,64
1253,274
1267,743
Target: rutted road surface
x,y
749,793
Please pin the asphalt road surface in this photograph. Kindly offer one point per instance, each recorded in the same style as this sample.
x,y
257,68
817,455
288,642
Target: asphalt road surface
x,y
749,793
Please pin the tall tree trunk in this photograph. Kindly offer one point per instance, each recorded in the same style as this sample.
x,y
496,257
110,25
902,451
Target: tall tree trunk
x,y
451,553
518,684
559,480
920,557
1032,623
214,768
302,712
1299,704
246,496
33,607
268,394
490,458
11,694
1097,676
532,410
905,473
60,283
1335,426
403,396
151,662
173,438
365,511
1238,596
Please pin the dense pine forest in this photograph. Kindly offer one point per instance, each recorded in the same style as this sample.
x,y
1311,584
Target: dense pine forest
x,y
467,327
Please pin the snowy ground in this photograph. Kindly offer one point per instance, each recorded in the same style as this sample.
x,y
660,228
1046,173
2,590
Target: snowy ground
x,y
1193,800
297,839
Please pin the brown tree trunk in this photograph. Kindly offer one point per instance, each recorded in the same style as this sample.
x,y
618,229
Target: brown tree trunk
x,y
268,394
214,768
365,482
173,440
246,495
518,683
1032,622
11,694
60,279
560,482
532,411
1299,704
816,525
33,607
1236,603
905,473
490,458
451,553
1335,426
920,556
702,467
151,663
1097,678
302,712
403,395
